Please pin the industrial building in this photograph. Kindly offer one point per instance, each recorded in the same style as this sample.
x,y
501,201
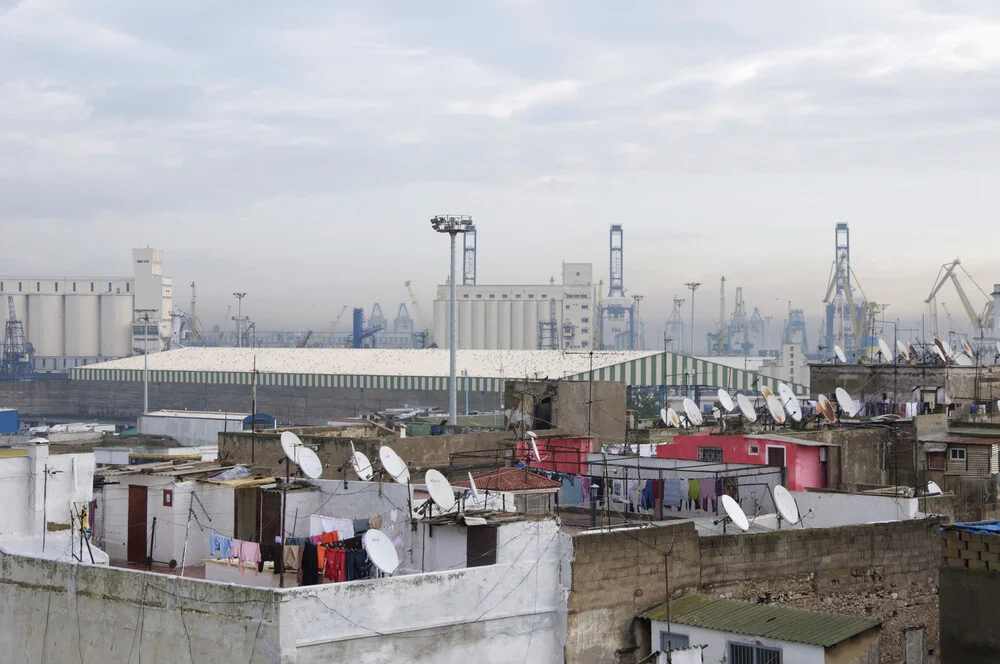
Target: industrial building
x,y
522,317
77,321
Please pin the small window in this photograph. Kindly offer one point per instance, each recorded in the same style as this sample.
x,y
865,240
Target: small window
x,y
91,286
710,454
584,331
531,296
584,320
517,297
744,653
74,286
479,296
674,642
109,286
168,497
128,287
544,296
958,454
567,306
492,296
505,296
1,286
57,286
583,344
753,450
465,296
585,306
38,287
578,274
19,286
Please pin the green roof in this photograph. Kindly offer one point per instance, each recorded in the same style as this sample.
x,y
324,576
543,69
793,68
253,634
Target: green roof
x,y
780,623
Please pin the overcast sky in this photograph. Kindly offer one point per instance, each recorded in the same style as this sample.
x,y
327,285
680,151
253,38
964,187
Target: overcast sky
x,y
296,150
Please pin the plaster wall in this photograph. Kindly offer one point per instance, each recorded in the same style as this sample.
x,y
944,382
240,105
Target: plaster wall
x,y
717,644
189,431
24,485
844,509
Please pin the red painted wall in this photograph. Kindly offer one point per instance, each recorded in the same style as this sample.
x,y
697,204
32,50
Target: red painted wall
x,y
562,455
803,462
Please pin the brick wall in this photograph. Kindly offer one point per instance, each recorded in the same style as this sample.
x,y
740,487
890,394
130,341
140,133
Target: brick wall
x,y
970,550
970,588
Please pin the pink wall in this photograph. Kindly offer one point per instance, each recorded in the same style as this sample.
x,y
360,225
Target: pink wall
x,y
562,455
802,461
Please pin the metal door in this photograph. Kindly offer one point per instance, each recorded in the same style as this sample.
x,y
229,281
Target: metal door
x,y
137,531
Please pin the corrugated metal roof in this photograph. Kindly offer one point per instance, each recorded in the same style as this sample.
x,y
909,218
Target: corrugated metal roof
x,y
780,623
778,438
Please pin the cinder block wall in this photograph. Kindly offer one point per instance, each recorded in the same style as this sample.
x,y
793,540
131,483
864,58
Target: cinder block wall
x,y
970,550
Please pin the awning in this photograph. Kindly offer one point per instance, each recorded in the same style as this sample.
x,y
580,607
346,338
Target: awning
x,y
935,447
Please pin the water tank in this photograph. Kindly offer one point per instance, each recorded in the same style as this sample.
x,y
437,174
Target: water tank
x,y
116,325
46,331
83,325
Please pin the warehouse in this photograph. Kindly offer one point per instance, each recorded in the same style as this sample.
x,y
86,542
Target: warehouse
x,y
308,386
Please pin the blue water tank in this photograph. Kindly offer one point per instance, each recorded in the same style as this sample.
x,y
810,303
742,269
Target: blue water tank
x,y
8,420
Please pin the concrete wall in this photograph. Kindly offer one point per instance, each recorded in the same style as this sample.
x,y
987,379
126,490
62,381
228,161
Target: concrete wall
x,y
961,384
970,632
717,643
830,510
604,419
24,486
422,452
861,649
301,405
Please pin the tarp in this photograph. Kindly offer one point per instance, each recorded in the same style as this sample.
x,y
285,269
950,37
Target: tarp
x,y
991,527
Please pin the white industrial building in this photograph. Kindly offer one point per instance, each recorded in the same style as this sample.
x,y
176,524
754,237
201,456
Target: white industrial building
x,y
518,317
76,321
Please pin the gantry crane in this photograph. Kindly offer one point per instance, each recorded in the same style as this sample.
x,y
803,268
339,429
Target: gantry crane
x,y
860,315
425,332
980,322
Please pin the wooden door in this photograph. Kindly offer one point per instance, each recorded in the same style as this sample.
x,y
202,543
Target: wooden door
x,y
137,530
776,457
270,514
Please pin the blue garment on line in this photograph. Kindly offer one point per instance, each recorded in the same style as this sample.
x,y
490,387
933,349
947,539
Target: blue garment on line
x,y
647,496
220,546
571,492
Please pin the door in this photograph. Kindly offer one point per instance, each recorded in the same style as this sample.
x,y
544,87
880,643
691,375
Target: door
x,y
481,546
136,546
270,514
776,457
247,514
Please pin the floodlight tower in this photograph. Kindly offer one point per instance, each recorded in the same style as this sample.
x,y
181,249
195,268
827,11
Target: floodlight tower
x,y
452,225
239,318
693,285
617,281
469,257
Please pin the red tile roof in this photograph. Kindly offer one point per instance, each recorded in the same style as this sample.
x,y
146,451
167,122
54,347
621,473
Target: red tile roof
x,y
510,479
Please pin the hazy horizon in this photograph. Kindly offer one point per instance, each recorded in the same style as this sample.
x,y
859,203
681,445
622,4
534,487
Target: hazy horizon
x,y
297,152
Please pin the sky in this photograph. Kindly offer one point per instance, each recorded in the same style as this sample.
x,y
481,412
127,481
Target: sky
x,y
296,151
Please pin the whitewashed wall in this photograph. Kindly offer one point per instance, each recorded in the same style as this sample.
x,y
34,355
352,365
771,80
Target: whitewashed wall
x,y
717,644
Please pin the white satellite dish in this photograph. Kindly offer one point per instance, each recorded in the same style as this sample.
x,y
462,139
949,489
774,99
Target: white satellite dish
x,y
673,418
933,489
787,508
532,437
845,401
290,445
726,400
839,352
913,351
826,408
790,402
393,465
309,463
692,412
472,485
944,347
967,348
735,513
904,352
381,551
774,407
664,417
940,352
887,355
963,360
766,392
362,466
440,489
746,407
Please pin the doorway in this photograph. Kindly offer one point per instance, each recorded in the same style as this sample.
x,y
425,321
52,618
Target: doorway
x,y
776,457
137,532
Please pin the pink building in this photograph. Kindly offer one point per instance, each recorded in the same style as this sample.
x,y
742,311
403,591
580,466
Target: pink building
x,y
805,461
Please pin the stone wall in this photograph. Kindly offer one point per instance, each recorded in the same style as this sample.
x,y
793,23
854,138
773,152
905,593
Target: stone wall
x,y
123,400
871,381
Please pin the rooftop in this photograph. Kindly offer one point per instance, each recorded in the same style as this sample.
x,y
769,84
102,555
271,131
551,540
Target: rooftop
x,y
198,414
349,361
762,620
510,479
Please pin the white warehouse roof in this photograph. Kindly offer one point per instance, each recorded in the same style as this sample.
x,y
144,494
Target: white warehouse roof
x,y
420,369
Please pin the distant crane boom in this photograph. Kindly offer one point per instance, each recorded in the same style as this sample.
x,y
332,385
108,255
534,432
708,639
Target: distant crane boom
x,y
419,311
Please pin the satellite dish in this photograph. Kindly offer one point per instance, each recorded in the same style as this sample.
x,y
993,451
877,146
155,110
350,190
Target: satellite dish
x,y
472,485
766,391
726,400
845,401
904,352
440,489
939,351
393,465
746,407
785,503
790,402
664,416
774,407
290,445
943,347
674,419
826,408
692,412
933,489
735,513
532,437
887,355
362,466
381,551
964,360
309,463
839,352
967,348
913,351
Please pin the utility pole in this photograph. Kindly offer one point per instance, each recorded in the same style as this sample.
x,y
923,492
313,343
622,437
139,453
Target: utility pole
x,y
239,318
693,285
635,322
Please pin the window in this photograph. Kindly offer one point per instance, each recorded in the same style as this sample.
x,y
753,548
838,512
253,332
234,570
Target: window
x,y
479,296
753,449
109,286
936,461
958,454
578,274
584,331
583,344
742,653
584,320
465,296
128,287
544,296
585,306
74,286
19,286
505,296
674,642
91,286
168,497
531,296
1,286
567,306
517,297
492,296
57,286
710,454
38,287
